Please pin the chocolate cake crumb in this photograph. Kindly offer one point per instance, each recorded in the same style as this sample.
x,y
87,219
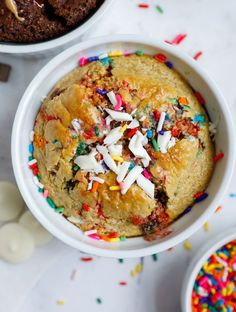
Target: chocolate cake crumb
x,y
5,70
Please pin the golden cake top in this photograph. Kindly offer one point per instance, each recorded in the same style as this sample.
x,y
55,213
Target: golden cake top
x,y
123,144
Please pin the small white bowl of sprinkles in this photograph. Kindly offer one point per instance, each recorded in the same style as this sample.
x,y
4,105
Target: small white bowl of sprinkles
x,y
37,196
209,283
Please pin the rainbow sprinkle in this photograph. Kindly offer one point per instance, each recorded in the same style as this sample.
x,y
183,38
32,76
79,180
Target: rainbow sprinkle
x,y
197,55
143,6
155,257
215,288
99,300
159,9
177,40
187,245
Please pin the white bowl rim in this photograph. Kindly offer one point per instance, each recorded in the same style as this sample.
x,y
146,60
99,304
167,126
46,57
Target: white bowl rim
x,y
148,250
17,48
197,262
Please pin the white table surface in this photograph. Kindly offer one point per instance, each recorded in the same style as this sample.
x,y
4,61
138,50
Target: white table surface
x,y
38,284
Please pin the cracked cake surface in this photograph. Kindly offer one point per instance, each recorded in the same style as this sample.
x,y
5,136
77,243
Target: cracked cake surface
x,y
123,146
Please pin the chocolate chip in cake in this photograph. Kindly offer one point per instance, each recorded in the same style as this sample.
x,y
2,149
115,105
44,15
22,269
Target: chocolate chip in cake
x,y
162,197
70,185
150,226
5,70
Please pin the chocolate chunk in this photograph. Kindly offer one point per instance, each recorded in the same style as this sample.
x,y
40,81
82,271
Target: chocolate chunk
x,y
149,226
161,196
5,70
70,185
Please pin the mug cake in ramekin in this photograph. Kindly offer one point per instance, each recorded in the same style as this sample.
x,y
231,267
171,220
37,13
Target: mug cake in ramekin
x,y
123,145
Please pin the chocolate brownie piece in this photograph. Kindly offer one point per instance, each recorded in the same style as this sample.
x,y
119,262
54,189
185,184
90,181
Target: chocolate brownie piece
x,y
43,19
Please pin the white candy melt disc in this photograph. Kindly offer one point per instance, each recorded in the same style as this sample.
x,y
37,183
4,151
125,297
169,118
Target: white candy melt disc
x,y
11,202
40,235
16,243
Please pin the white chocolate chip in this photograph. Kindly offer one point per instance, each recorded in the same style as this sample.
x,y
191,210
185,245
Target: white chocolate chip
x,y
99,180
118,116
112,97
123,169
113,136
163,141
146,185
131,178
107,158
133,124
161,121
115,149
88,162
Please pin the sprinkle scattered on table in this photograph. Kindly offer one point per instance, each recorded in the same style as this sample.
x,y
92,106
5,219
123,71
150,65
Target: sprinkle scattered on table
x,y
133,273
218,209
159,9
99,300
206,226
139,268
197,55
73,274
122,283
177,40
86,259
60,302
143,6
155,257
187,245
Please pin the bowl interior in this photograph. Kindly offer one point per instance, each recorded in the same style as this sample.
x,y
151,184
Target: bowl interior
x,y
198,261
27,112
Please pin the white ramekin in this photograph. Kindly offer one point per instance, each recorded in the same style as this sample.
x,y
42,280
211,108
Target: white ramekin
x,y
62,41
196,264
43,83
